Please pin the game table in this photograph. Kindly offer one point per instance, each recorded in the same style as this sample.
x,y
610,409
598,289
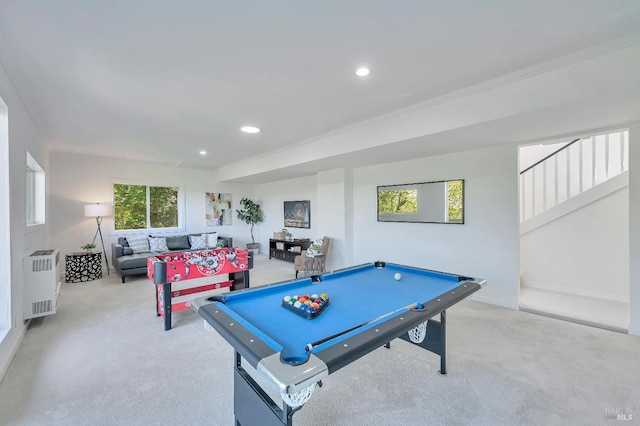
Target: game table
x,y
368,306
178,276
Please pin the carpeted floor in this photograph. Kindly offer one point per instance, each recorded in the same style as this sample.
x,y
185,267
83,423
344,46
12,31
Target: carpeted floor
x,y
105,359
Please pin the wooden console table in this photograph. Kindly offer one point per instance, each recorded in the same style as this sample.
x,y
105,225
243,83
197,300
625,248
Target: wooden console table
x,y
81,267
287,249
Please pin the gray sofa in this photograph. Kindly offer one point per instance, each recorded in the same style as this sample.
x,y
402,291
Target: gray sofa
x,y
128,263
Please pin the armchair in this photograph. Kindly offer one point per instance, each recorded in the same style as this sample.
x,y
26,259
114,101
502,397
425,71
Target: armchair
x,y
300,264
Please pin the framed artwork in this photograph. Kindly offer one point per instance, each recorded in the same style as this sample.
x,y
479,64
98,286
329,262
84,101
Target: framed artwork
x,y
297,214
217,209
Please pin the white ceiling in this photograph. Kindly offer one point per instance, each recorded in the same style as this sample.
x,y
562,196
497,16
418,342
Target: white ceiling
x,y
160,80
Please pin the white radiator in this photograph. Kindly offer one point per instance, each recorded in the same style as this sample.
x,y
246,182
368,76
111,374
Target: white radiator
x,y
41,271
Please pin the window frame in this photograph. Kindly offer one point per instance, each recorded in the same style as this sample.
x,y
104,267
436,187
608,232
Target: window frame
x,y
147,184
35,194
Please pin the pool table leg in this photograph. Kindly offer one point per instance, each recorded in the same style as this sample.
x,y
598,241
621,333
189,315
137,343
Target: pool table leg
x,y
436,339
443,342
253,406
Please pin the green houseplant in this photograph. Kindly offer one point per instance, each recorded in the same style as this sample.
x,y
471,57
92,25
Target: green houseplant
x,y
88,247
251,214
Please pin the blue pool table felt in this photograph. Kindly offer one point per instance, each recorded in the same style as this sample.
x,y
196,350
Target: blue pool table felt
x,y
357,295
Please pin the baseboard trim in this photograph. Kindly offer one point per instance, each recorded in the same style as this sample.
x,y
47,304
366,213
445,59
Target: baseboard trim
x,y
576,292
603,326
497,302
9,347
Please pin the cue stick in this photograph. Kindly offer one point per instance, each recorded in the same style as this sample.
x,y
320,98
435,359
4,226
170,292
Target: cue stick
x,y
310,346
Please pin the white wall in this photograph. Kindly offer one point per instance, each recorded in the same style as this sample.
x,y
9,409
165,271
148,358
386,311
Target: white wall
x,y
486,246
336,215
585,252
330,195
271,197
531,154
23,136
634,229
343,205
77,180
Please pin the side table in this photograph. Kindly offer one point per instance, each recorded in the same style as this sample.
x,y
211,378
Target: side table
x,y
314,265
82,267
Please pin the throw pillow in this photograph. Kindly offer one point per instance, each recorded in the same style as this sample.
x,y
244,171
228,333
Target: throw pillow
x,y
123,241
139,243
198,242
212,240
178,242
158,244
315,248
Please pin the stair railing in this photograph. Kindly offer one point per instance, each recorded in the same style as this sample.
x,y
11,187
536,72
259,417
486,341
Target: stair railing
x,y
576,167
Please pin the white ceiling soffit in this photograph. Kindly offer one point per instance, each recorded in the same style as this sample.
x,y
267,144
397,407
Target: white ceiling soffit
x,y
596,92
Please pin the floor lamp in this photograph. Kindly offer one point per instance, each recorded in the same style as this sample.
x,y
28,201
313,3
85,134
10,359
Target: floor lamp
x,y
99,211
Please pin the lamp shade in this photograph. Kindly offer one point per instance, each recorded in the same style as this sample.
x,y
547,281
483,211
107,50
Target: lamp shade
x,y
97,210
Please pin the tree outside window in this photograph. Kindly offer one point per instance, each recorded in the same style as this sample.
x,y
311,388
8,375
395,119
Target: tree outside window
x,y
398,201
455,201
145,207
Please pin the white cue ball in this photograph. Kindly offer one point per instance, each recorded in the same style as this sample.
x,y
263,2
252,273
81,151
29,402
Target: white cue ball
x,y
397,276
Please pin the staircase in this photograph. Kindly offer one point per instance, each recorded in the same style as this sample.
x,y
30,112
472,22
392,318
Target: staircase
x,y
576,267
576,174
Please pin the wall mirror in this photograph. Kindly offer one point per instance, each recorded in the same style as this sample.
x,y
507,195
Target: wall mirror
x,y
428,202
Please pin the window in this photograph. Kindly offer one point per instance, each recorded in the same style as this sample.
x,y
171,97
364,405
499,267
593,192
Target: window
x,y
428,202
146,207
35,192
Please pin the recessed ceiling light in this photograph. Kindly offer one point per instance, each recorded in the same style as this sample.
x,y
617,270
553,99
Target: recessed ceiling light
x,y
250,129
203,152
362,72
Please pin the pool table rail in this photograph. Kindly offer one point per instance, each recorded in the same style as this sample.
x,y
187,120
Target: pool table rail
x,y
359,344
245,341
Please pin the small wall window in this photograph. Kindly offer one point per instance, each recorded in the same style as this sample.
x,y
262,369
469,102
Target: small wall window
x,y
35,192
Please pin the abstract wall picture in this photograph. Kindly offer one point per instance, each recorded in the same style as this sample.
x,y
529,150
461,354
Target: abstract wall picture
x,y
217,209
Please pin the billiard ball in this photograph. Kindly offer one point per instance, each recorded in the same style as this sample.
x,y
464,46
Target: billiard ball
x,y
397,276
287,299
297,304
325,296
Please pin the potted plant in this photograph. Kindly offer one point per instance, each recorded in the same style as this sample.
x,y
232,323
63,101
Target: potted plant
x,y
88,247
251,214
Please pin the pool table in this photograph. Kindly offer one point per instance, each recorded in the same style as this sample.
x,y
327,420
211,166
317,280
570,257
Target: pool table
x,y
367,306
